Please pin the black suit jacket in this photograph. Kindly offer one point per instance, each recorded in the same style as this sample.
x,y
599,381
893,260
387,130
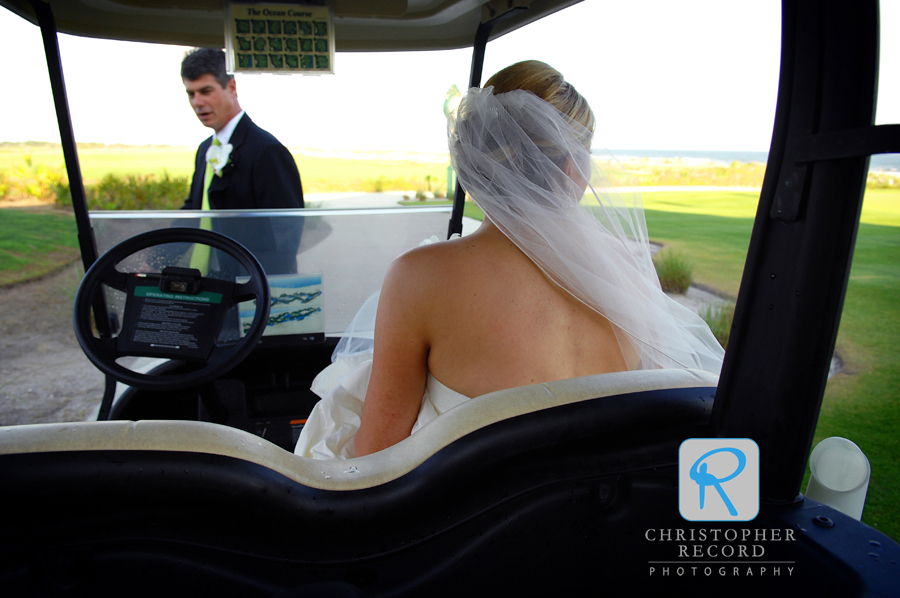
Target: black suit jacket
x,y
260,174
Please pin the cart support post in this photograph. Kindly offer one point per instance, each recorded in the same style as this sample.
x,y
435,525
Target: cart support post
x,y
86,243
798,264
47,24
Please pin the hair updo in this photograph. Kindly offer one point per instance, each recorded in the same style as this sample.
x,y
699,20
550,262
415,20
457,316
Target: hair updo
x,y
547,83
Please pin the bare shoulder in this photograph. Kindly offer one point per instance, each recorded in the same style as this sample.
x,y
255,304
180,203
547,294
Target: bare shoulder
x,y
428,266
439,252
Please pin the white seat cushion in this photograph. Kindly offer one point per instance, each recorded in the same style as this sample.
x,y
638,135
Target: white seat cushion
x,y
352,474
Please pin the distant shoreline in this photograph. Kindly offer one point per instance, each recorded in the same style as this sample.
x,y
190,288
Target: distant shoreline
x,y
889,163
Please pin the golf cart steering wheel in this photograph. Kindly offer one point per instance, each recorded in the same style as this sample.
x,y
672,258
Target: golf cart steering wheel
x,y
196,324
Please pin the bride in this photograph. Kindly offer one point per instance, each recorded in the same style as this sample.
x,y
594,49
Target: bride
x,y
556,283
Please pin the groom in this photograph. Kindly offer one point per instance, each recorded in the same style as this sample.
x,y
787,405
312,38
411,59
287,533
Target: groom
x,y
247,169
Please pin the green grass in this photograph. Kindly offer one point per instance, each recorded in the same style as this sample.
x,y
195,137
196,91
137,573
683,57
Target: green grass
x,y
34,243
714,239
713,230
862,404
715,245
881,206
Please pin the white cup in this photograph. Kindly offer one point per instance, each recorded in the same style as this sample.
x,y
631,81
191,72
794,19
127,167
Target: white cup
x,y
839,476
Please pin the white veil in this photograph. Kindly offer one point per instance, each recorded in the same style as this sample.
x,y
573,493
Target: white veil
x,y
527,166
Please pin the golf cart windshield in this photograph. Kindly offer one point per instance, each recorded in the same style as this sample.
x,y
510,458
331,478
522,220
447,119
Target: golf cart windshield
x,y
340,260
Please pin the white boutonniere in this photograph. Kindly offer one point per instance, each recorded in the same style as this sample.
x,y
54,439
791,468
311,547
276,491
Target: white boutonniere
x,y
217,156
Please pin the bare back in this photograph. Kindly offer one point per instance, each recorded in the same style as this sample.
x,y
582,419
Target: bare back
x,y
479,316
496,321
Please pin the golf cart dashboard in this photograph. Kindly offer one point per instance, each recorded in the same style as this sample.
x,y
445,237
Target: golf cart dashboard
x,y
165,317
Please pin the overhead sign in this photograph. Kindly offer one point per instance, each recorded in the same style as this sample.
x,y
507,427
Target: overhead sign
x,y
279,38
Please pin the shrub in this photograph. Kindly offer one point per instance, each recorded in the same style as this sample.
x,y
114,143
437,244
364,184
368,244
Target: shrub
x,y
678,171
883,180
719,317
131,192
37,181
674,270
6,184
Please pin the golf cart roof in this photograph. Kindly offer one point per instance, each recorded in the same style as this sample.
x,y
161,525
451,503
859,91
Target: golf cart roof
x,y
360,25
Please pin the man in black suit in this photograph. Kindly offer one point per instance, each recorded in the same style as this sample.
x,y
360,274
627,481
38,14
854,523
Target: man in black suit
x,y
250,169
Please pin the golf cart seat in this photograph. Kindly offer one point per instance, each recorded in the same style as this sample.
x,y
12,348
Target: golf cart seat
x,y
517,489
624,400
101,504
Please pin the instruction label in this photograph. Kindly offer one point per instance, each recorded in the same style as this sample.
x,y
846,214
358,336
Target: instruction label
x,y
169,324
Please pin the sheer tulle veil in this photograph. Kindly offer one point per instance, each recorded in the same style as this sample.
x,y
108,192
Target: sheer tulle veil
x,y
529,168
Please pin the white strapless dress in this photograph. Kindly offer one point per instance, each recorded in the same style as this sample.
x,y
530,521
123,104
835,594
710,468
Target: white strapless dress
x,y
332,425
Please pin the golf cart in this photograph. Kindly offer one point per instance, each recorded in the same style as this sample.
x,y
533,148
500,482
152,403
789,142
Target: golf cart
x,y
188,484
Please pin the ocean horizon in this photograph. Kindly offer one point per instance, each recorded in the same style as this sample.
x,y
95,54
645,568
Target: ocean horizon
x,y
882,162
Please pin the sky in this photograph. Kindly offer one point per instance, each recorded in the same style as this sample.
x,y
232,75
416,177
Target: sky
x,y
693,75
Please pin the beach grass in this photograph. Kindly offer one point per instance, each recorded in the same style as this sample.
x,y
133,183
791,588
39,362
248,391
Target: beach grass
x,y
719,317
674,271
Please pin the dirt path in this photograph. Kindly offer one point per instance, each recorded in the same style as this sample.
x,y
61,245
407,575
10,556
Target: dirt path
x,y
44,376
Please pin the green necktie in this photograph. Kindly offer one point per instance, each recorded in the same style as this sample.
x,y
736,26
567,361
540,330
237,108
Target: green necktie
x,y
200,255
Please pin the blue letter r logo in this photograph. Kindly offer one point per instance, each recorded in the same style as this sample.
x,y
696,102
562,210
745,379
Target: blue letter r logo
x,y
704,479
731,467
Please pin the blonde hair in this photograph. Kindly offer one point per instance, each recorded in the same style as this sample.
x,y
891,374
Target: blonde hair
x,y
547,83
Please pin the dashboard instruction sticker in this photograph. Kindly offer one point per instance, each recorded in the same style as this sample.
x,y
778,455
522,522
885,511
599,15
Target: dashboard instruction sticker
x,y
161,324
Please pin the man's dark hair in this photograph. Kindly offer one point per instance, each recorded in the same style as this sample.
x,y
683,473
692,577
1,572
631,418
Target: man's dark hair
x,y
205,61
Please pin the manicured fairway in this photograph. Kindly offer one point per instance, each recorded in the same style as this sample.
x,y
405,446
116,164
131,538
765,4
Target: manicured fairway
x,y
863,402
34,243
